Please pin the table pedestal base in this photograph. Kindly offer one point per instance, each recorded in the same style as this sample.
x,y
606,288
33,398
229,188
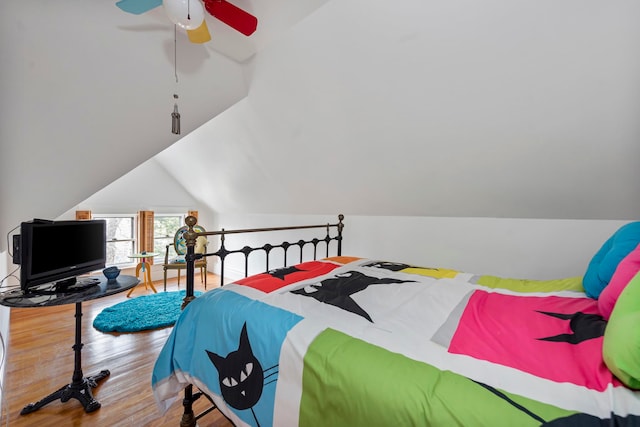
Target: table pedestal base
x,y
80,390
145,267
80,387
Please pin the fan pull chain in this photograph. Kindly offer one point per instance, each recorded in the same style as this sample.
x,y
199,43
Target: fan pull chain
x,y
175,52
175,115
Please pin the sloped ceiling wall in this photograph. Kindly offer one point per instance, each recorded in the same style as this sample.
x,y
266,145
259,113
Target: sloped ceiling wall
x,y
524,109
147,187
427,108
86,93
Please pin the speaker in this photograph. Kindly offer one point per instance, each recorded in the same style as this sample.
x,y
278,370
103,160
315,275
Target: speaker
x,y
16,249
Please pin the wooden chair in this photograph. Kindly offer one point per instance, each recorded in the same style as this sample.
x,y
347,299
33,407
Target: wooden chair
x,y
179,264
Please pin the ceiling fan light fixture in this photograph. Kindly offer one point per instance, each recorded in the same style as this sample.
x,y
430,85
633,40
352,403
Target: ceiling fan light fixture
x,y
187,14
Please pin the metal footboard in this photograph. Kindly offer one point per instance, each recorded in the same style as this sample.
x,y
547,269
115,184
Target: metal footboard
x,y
190,236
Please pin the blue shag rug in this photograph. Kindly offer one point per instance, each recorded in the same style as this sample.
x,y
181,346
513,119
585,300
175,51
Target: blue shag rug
x,y
142,313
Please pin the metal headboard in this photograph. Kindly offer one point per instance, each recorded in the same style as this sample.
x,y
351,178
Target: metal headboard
x,y
191,235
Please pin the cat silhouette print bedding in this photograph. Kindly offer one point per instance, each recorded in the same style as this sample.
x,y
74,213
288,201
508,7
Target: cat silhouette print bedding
x,y
360,342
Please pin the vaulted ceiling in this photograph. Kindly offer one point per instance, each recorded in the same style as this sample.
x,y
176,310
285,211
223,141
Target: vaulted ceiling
x,y
431,108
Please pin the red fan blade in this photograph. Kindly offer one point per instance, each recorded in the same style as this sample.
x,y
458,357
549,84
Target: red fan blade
x,y
233,16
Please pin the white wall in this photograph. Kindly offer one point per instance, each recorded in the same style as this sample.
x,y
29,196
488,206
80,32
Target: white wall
x,y
506,247
147,187
5,268
524,109
463,108
87,95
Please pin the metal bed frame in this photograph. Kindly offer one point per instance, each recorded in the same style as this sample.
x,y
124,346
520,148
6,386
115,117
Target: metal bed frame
x,y
189,418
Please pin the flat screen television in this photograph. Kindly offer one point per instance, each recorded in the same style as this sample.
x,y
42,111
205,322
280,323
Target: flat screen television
x,y
59,251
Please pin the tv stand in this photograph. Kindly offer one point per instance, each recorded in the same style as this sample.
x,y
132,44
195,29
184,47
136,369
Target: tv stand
x,y
80,386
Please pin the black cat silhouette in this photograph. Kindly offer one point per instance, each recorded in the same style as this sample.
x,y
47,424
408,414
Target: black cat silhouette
x,y
395,266
392,266
280,273
241,376
583,326
337,290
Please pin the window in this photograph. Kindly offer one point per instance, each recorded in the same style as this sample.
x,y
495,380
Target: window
x,y
164,229
121,241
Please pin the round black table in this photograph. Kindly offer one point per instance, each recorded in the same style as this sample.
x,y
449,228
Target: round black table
x,y
87,288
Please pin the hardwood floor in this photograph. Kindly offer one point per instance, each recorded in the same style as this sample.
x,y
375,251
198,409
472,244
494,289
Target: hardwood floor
x,y
40,360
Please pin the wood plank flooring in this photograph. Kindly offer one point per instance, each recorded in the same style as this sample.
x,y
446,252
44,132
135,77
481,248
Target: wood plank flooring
x,y
40,360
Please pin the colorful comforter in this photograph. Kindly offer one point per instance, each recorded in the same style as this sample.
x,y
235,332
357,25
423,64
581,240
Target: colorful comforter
x,y
358,342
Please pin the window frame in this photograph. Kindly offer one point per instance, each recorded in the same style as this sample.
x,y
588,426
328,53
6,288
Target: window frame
x,y
134,239
161,253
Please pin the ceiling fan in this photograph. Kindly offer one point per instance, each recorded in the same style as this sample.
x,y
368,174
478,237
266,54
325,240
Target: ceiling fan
x,y
189,14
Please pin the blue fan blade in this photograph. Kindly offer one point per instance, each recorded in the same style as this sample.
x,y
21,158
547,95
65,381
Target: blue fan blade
x,y
138,6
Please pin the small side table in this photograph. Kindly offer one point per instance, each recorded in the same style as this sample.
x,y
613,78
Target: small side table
x,y
144,265
46,296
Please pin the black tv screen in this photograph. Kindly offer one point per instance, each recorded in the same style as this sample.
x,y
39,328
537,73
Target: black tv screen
x,y
53,251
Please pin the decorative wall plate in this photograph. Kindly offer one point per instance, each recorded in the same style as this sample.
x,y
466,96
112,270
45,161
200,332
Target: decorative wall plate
x,y
179,242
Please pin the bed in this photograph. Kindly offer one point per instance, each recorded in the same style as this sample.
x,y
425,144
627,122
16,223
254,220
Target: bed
x,y
349,341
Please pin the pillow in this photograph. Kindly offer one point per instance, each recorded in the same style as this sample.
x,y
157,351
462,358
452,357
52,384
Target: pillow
x,y
621,347
627,268
606,260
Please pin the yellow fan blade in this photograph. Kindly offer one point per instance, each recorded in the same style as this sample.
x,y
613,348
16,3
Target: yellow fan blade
x,y
200,34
